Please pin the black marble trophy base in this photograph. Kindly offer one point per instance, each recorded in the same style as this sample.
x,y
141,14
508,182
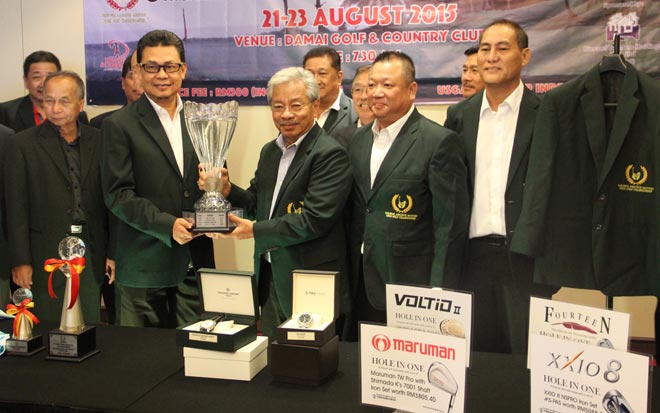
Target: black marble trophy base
x,y
25,348
73,347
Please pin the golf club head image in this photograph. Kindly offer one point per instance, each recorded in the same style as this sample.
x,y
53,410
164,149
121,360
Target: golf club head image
x,y
605,343
614,402
439,376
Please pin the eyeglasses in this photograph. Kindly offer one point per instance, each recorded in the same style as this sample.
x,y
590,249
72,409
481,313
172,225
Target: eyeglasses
x,y
293,108
155,67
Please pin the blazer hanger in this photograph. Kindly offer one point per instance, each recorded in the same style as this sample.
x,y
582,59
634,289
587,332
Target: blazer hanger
x,y
614,62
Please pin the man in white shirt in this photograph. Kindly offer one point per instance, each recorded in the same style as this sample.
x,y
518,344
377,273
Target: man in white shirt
x,y
149,173
496,129
335,108
409,201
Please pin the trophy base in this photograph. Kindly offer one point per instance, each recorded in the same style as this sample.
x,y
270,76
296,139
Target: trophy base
x,y
215,221
73,347
25,348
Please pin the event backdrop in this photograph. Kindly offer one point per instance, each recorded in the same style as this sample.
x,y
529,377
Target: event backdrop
x,y
233,47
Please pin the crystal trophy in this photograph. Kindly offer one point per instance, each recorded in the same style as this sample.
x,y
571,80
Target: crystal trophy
x,y
23,342
73,341
211,127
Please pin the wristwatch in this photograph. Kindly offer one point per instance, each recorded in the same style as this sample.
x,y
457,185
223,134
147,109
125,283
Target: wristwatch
x,y
305,320
207,326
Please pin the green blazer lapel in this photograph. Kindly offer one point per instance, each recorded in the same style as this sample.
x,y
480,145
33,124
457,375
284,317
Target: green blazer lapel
x,y
151,123
362,145
400,147
298,160
594,119
524,131
625,111
189,166
50,143
471,116
271,160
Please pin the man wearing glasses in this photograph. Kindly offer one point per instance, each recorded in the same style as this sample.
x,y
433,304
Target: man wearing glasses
x,y
297,197
149,172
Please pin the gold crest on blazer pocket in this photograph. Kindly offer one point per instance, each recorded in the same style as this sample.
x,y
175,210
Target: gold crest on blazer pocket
x,y
401,205
295,207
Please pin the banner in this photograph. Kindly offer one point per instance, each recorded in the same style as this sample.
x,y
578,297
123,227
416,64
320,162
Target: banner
x,y
233,47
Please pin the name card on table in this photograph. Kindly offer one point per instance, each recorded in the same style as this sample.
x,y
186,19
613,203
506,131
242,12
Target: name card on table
x,y
412,370
432,310
571,377
578,323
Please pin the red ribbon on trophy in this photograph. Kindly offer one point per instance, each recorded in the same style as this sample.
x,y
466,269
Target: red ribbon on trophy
x,y
21,311
76,265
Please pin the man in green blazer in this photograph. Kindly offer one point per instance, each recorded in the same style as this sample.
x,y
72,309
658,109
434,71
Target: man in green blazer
x,y
297,198
149,171
52,189
496,128
409,201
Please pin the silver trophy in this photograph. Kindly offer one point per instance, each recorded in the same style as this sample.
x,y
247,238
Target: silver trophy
x,y
211,127
23,342
24,328
72,319
73,341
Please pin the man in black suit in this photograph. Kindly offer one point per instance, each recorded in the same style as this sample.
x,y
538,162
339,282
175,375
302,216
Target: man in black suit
x,y
335,108
149,171
28,111
409,200
53,189
297,198
496,128
5,270
130,84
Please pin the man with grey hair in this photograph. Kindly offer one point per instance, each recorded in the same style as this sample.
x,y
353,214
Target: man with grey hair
x,y
296,198
53,189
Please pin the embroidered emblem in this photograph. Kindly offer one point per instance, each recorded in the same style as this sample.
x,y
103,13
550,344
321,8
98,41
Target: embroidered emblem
x,y
295,207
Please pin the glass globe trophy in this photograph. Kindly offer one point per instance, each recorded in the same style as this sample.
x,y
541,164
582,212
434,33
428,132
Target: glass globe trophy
x,y
211,127
73,341
23,342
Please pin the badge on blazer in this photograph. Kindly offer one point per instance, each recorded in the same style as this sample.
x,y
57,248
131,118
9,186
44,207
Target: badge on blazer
x,y
401,206
295,207
636,177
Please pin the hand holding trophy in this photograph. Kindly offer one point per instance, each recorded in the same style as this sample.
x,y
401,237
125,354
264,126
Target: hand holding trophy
x,y
211,127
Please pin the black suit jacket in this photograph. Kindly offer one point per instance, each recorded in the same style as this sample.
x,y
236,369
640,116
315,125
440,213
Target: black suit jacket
x,y
97,121
18,115
413,222
39,200
306,230
346,117
146,192
464,119
5,271
590,208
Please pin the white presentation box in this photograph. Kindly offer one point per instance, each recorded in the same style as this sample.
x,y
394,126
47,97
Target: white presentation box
x,y
242,364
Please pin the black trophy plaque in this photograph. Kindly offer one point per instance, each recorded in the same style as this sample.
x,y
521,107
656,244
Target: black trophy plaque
x,y
25,348
74,347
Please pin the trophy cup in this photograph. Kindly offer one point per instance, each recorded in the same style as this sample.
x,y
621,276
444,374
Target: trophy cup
x,y
22,341
73,341
211,127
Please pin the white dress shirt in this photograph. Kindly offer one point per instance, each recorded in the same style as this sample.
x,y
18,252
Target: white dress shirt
x,y
172,128
495,137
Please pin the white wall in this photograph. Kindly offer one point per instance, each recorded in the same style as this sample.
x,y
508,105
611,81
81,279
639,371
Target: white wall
x,y
57,26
